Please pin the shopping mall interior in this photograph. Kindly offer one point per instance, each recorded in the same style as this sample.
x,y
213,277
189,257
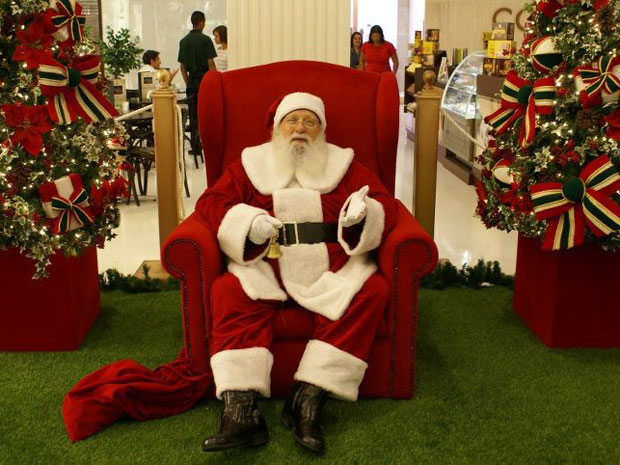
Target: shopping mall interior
x,y
290,231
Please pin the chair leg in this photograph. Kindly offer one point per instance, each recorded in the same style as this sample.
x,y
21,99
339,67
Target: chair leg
x,y
132,187
138,169
185,182
147,168
129,196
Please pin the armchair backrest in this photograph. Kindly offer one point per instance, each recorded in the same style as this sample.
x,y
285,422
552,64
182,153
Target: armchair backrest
x,y
361,111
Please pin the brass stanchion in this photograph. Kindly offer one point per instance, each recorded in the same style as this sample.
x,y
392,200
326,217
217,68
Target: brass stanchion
x,y
166,155
425,151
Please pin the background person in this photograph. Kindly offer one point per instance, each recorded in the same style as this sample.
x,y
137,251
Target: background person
x,y
152,63
196,54
356,49
377,52
220,34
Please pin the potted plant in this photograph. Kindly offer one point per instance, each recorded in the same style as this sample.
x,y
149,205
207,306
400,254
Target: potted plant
x,y
552,172
119,55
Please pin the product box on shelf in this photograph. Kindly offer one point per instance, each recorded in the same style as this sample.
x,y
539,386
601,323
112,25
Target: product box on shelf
x,y
432,35
458,54
501,48
496,66
430,47
502,66
488,66
486,36
428,60
503,31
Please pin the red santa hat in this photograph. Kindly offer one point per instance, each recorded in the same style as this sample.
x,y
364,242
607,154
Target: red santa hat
x,y
300,101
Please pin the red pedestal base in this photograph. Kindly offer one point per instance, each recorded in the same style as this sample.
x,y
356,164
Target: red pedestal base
x,y
52,313
569,298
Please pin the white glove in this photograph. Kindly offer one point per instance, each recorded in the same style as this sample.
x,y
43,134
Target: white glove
x,y
263,228
356,211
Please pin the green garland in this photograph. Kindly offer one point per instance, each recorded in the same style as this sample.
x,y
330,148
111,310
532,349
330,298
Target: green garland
x,y
445,275
112,280
483,274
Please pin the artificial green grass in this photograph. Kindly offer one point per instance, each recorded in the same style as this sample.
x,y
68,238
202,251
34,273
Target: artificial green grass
x,y
488,392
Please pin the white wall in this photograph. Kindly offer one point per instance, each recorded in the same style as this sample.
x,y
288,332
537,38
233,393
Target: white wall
x,y
266,31
384,13
416,17
462,22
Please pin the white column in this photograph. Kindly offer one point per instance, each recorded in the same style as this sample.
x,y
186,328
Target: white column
x,y
266,31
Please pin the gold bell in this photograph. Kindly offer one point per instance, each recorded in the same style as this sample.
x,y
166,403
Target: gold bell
x,y
274,249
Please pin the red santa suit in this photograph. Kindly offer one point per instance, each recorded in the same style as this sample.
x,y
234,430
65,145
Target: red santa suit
x,y
337,281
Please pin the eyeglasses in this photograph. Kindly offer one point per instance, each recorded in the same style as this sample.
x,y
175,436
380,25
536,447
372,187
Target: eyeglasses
x,y
307,122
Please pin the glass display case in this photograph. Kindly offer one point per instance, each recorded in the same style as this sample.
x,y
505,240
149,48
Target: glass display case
x,y
459,109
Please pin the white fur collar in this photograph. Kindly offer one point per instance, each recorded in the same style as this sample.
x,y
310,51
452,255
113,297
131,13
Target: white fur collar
x,y
268,176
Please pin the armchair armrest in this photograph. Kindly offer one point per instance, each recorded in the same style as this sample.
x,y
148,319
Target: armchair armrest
x,y
407,254
407,239
192,255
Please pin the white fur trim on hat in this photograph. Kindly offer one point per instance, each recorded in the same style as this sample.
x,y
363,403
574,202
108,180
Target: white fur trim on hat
x,y
300,101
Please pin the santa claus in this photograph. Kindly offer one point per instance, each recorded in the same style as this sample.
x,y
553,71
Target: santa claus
x,y
325,213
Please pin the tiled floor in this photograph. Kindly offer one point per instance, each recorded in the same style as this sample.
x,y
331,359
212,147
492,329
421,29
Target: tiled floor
x,y
459,235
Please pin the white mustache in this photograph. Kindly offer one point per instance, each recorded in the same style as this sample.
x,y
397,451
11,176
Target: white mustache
x,y
298,137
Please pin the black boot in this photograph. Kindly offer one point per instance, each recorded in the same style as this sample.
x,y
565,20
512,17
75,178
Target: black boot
x,y
241,423
301,414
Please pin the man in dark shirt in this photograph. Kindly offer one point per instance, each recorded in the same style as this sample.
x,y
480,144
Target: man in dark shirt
x,y
196,54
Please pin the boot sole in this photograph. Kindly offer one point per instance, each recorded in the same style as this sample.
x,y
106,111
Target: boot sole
x,y
256,440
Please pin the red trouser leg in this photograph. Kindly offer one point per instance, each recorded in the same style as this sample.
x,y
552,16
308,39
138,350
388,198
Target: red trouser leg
x,y
240,338
335,359
355,330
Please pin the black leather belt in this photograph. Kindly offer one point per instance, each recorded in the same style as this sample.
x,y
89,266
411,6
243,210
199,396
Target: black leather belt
x,y
307,233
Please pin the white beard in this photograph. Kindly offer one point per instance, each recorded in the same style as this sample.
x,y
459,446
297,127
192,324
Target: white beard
x,y
307,160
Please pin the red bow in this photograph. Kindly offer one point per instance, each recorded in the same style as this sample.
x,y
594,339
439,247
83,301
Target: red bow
x,y
521,98
73,92
550,7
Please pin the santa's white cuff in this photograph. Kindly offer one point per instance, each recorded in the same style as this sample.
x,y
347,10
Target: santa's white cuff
x,y
331,369
234,229
242,370
370,237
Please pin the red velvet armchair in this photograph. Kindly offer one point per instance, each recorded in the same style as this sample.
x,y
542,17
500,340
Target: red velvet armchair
x,y
362,113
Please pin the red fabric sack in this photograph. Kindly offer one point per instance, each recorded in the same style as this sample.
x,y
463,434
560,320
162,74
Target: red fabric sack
x,y
126,388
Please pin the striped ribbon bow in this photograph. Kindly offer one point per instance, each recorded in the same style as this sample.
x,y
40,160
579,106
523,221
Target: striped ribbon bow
x,y
579,201
68,14
72,90
73,207
600,76
521,98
